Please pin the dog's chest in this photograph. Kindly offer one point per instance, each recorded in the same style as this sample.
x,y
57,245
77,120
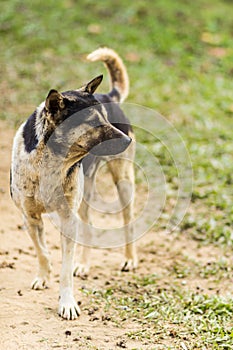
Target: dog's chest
x,y
59,191
40,177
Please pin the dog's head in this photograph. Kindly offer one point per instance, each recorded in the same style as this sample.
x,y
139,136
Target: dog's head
x,y
76,121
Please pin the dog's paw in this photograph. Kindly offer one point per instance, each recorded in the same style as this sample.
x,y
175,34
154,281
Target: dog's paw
x,y
82,271
39,283
129,265
68,308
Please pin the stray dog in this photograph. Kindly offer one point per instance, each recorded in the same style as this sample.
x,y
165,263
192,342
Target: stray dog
x,y
47,170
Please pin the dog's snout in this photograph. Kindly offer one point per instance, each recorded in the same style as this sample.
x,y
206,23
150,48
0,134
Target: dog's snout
x,y
115,142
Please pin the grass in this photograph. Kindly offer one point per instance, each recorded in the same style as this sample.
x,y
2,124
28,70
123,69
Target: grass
x,y
167,315
179,59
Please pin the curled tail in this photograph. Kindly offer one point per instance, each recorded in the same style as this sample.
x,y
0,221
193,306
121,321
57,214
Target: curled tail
x,y
117,72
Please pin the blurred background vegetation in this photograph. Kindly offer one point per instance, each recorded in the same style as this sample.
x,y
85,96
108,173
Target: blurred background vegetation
x,y
179,58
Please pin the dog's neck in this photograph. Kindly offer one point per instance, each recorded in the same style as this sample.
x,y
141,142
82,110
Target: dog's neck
x,y
56,163
51,155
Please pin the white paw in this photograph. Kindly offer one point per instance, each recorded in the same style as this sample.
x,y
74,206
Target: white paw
x,y
129,265
81,271
68,308
39,283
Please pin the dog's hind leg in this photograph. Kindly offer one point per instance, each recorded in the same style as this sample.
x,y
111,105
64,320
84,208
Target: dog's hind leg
x,y
125,190
123,176
83,266
34,225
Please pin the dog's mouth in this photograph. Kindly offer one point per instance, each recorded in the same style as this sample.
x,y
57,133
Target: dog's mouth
x,y
111,147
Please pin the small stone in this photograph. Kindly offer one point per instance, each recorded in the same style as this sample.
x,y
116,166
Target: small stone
x,y
121,344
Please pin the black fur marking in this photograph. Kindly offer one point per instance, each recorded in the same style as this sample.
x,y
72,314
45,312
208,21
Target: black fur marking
x,y
29,133
72,168
114,94
76,101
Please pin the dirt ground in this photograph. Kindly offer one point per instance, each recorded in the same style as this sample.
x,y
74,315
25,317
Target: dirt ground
x,y
28,318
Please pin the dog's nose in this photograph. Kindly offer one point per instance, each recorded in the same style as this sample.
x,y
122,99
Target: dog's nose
x,y
126,141
119,145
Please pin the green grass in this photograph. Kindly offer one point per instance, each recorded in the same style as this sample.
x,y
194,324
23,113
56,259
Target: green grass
x,y
179,58
167,315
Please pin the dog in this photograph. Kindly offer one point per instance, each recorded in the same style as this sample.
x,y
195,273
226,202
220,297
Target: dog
x,y
51,148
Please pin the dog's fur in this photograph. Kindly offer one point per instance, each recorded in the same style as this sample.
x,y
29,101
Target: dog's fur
x,y
50,151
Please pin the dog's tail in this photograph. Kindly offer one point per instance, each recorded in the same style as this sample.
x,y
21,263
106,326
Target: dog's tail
x,y
117,71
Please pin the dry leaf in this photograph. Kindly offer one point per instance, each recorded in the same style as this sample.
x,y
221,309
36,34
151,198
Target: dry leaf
x,y
132,57
210,38
94,28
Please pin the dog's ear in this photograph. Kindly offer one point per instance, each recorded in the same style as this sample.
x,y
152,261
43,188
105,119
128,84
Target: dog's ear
x,y
93,84
54,101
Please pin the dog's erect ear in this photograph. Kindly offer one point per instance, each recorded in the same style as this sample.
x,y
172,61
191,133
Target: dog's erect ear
x,y
93,84
54,101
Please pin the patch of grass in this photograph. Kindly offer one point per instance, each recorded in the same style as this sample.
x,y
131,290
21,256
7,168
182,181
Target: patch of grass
x,y
170,316
218,269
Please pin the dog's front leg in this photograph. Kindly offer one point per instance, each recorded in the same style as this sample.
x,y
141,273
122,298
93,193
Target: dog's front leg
x,y
35,229
68,307
83,265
